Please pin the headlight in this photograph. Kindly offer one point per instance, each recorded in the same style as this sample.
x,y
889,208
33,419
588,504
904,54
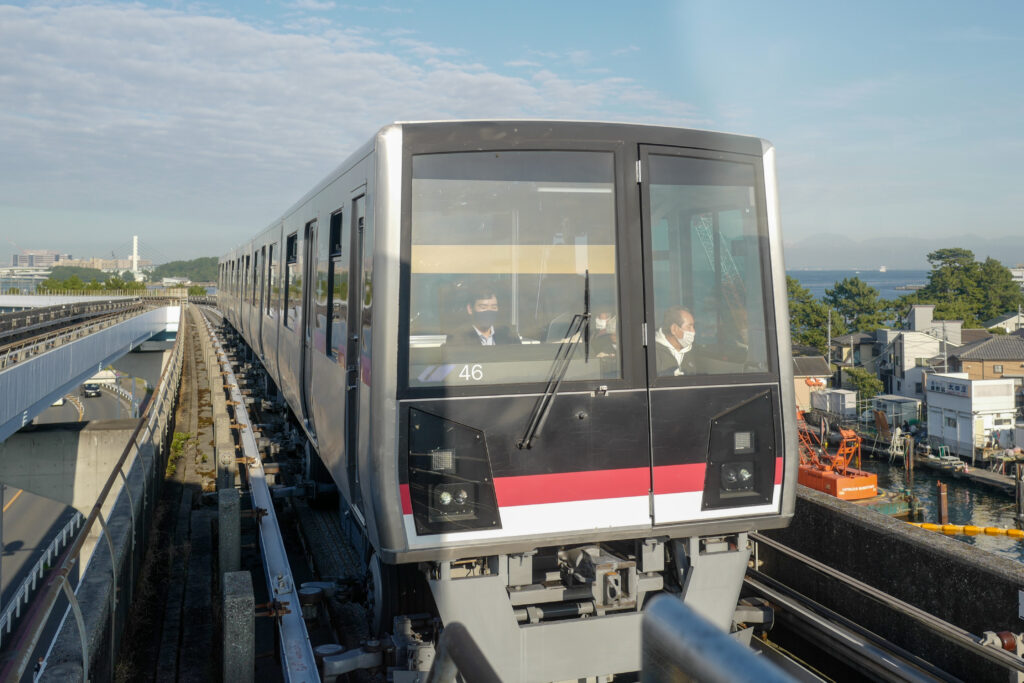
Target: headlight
x,y
450,482
737,476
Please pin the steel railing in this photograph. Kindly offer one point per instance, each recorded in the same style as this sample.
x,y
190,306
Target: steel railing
x,y
25,348
27,589
158,415
680,645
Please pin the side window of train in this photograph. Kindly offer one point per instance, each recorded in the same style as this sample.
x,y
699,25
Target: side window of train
x,y
292,281
502,246
254,291
273,287
336,288
707,249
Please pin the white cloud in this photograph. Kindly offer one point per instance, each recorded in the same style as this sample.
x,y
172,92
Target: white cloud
x,y
180,126
312,5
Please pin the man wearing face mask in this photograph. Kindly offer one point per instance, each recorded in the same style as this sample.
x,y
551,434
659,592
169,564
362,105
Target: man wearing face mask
x,y
483,331
674,341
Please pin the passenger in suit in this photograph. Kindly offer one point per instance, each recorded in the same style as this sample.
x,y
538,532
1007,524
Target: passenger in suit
x,y
674,343
482,329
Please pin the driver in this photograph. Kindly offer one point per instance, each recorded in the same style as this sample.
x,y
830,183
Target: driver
x,y
674,342
482,329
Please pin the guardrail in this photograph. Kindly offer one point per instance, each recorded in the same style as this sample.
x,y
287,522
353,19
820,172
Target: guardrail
x,y
27,588
21,350
681,645
169,293
150,441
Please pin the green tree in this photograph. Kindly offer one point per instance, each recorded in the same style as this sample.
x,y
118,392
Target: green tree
x,y
197,290
999,294
857,302
203,269
61,273
963,289
808,317
863,382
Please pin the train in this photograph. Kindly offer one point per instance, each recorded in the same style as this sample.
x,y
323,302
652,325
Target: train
x,y
547,365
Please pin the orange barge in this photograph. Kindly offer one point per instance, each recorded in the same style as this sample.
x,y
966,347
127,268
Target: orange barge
x,y
832,473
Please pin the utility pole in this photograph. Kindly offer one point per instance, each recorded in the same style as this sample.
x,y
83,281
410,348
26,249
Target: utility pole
x,y
828,349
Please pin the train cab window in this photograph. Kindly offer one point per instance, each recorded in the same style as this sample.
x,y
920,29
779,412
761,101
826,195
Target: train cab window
x,y
292,282
707,245
503,246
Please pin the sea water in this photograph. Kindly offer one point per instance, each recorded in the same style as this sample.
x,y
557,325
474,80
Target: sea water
x,y
817,281
966,503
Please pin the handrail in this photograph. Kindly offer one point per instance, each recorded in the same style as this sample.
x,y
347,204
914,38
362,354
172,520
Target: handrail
x,y
679,644
31,631
28,585
940,627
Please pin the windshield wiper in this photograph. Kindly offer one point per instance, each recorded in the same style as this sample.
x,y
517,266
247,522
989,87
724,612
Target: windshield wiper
x,y
579,330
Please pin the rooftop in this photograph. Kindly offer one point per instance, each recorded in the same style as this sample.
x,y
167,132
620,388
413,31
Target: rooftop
x,y
811,366
999,347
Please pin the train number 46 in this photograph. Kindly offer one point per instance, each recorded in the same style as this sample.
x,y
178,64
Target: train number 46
x,y
473,373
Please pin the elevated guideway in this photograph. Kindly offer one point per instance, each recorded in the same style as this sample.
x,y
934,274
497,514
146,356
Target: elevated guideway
x,y
35,373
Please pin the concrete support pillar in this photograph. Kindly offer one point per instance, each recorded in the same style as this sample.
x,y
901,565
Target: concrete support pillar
x,y
230,526
225,450
239,645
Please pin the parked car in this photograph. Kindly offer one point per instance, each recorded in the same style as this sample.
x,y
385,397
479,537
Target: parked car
x,y
90,389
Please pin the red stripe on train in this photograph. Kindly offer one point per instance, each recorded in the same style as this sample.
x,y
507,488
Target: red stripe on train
x,y
538,489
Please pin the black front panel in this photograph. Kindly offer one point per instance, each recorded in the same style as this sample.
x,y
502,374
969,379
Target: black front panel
x,y
450,482
582,433
741,455
700,425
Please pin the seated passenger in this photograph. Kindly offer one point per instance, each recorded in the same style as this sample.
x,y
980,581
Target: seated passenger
x,y
482,310
604,340
673,343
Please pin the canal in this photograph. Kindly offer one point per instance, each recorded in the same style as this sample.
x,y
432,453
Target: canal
x,y
968,504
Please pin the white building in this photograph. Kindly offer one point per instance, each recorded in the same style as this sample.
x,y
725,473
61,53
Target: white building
x,y
968,415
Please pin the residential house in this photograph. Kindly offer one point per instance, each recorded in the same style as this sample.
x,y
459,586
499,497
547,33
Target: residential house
x,y
906,357
810,374
1011,322
1001,356
968,415
856,349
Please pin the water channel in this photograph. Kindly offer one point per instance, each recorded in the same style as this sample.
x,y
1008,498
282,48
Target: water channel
x,y
968,504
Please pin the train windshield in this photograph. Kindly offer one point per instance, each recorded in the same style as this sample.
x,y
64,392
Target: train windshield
x,y
502,244
706,252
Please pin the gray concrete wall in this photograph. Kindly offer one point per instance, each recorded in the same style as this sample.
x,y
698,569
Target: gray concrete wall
x,y
67,462
960,583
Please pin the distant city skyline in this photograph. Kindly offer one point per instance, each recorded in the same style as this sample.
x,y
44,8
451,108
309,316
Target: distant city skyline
x,y
194,125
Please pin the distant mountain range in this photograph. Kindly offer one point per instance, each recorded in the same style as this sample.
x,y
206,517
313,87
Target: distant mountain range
x,y
898,252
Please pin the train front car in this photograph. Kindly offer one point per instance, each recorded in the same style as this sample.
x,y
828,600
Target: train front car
x,y
584,396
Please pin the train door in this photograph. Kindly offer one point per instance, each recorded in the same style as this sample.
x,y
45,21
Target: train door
x,y
357,340
308,321
713,392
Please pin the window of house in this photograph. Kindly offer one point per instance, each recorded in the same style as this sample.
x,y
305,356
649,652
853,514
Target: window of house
x,y
997,368
917,388
951,422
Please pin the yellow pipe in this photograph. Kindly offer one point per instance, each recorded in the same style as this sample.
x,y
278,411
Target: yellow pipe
x,y
968,529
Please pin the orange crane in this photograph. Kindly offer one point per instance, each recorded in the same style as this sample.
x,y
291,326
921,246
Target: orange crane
x,y
831,473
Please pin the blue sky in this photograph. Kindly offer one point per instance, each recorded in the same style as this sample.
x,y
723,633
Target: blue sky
x,y
194,124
